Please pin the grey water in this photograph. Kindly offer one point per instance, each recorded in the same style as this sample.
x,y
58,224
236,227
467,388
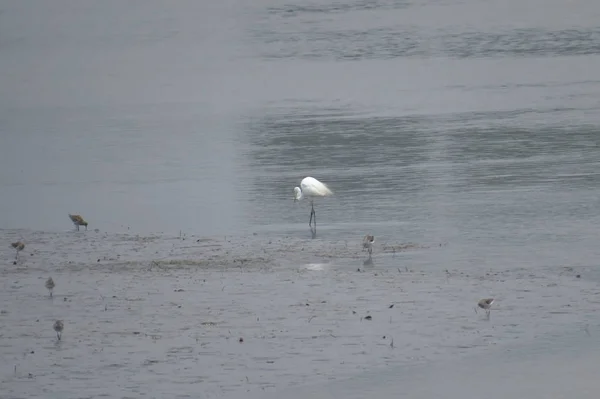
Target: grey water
x,y
451,117
473,123
542,373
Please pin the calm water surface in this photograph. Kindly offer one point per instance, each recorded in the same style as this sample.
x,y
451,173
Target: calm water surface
x,y
426,118
467,122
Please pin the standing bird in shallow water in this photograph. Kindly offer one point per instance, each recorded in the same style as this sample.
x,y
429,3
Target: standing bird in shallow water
x,y
311,188
78,221
486,304
19,246
59,327
50,285
368,243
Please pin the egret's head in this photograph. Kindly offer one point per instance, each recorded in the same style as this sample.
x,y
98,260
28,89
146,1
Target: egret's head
x,y
297,194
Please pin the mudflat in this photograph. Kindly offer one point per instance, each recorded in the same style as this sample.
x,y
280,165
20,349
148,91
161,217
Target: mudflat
x,y
162,315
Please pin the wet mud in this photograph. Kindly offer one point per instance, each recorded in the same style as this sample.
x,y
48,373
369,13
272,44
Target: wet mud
x,y
224,316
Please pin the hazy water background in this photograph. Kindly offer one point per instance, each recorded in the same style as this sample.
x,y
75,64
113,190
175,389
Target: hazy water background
x,y
455,118
469,122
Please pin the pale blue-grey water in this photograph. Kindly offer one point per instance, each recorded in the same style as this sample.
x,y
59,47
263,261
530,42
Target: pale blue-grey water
x,y
564,368
470,123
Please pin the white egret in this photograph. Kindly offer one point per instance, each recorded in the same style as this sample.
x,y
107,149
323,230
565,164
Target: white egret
x,y
311,188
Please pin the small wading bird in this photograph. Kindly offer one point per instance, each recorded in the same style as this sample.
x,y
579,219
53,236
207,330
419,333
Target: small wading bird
x,y
486,304
59,327
311,188
19,246
78,221
368,243
50,285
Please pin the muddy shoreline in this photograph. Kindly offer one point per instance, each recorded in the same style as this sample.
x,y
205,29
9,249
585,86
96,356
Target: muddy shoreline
x,y
180,315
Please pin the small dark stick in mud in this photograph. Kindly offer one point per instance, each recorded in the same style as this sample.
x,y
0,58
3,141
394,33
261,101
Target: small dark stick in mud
x,y
59,327
50,285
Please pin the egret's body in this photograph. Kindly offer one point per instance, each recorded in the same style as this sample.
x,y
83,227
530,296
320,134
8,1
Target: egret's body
x,y
311,188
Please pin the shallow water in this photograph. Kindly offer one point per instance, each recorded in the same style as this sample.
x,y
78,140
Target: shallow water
x,y
206,116
466,124
550,370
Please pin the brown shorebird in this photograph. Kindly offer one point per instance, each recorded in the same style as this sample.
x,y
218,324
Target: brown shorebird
x,y
486,304
50,285
368,243
19,246
78,221
59,327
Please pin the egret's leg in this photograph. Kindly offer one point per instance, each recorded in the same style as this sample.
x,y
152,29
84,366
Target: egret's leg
x,y
312,213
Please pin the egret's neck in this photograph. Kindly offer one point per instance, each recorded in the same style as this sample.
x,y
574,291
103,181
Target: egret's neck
x,y
298,194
